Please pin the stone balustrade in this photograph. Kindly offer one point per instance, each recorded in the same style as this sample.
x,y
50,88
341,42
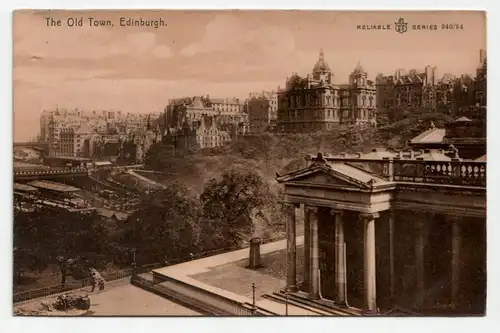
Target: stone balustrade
x,y
441,172
413,167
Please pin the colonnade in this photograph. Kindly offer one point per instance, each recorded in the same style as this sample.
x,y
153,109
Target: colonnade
x,y
311,275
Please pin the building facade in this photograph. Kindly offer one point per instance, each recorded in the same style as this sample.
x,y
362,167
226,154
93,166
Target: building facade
x,y
262,111
425,89
480,84
406,231
203,122
315,103
410,89
59,122
205,132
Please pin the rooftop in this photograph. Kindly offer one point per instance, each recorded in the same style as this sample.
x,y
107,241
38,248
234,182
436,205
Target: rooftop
x,y
53,186
69,158
24,188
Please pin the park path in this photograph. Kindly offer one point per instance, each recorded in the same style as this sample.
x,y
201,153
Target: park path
x,y
144,179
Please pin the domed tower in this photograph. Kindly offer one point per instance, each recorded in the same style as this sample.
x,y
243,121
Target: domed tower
x,y
321,70
363,96
358,77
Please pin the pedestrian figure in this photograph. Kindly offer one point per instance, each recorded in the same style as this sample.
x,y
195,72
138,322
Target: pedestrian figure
x,y
101,284
94,282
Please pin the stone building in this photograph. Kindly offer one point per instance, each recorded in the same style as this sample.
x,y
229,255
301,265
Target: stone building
x,y
316,103
205,132
262,111
229,110
463,93
480,84
185,110
407,89
189,109
403,230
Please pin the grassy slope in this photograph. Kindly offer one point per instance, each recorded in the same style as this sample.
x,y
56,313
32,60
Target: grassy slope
x,y
267,154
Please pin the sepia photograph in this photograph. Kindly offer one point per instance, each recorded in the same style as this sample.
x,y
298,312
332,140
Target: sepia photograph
x,y
249,163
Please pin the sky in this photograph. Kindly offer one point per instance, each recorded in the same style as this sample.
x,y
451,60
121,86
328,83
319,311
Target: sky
x,y
216,53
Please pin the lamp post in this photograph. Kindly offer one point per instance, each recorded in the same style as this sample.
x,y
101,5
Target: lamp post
x,y
254,308
133,262
286,302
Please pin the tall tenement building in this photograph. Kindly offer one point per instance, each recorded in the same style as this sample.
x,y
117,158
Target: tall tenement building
x,y
315,103
201,122
407,89
480,84
84,133
262,111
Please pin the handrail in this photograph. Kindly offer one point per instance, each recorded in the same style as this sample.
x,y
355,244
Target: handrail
x,y
57,288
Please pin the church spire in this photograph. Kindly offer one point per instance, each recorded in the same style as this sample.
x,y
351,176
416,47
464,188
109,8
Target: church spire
x,y
321,55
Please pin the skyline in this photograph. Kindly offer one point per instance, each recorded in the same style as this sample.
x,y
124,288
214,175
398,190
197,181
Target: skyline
x,y
222,54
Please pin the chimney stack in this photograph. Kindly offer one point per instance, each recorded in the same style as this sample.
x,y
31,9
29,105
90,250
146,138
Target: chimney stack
x,y
482,55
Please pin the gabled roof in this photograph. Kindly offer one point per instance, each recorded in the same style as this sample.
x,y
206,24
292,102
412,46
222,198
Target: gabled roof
x,y
433,135
334,174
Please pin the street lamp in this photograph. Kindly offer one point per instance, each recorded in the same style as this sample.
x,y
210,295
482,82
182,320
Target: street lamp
x,y
254,308
286,302
133,261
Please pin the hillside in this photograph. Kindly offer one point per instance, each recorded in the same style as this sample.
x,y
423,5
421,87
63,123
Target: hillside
x,y
267,154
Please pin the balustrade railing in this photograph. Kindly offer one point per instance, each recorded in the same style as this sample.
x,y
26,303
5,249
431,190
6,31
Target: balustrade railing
x,y
454,172
441,172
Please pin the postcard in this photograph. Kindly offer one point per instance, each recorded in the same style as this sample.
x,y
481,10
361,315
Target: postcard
x,y
249,163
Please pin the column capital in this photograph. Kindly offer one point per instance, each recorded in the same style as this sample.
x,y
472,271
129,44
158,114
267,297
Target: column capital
x,y
369,216
290,205
334,212
311,209
453,219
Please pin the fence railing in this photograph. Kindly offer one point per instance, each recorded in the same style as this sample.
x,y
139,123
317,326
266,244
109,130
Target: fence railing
x,y
120,274
60,288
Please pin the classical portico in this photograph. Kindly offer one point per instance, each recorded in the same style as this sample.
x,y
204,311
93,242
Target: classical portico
x,y
367,241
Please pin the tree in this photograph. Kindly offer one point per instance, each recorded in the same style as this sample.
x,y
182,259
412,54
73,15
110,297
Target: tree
x,y
28,253
228,203
56,236
165,225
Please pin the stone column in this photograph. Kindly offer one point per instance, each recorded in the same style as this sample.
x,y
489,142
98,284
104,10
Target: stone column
x,y
291,250
419,256
392,273
456,244
340,264
307,250
369,260
314,254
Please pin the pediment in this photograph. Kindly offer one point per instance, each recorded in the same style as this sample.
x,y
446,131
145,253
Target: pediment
x,y
322,178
